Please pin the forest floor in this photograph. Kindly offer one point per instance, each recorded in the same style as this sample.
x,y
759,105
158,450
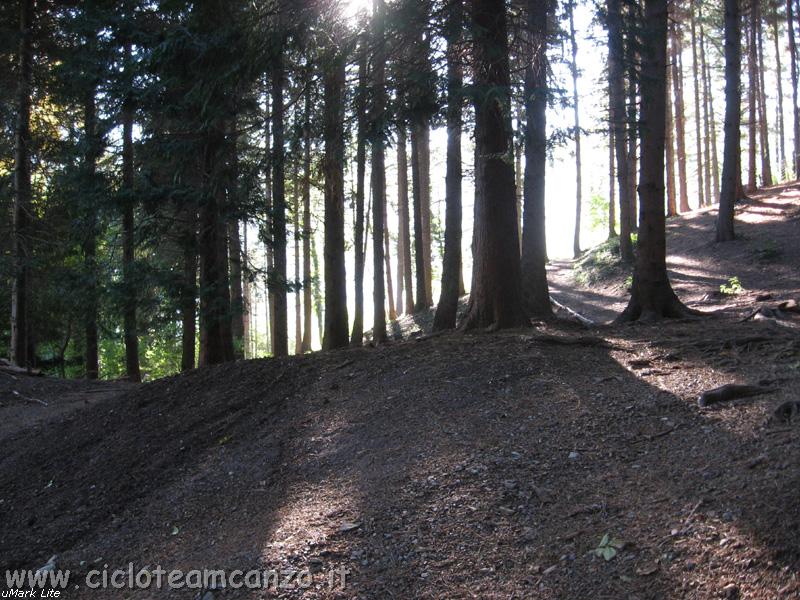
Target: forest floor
x,y
456,466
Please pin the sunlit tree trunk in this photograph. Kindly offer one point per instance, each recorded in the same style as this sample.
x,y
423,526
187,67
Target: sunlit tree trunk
x,y
680,120
576,239
752,101
779,80
696,68
307,299
794,71
766,163
672,209
707,124
404,237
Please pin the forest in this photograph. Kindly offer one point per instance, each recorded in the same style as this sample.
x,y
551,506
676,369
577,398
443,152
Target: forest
x,y
400,298
189,184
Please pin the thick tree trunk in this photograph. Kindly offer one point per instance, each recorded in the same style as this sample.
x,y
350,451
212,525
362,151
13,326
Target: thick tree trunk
x,y
576,238
696,68
766,163
535,293
378,178
280,334
616,56
307,299
359,241
130,330
794,70
20,326
730,165
496,296
336,323
779,79
405,227
90,207
447,308
652,296
752,102
680,120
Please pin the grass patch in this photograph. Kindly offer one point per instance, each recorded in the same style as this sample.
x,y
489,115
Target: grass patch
x,y
601,263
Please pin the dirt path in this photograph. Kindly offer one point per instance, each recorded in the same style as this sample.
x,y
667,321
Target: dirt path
x,y
486,466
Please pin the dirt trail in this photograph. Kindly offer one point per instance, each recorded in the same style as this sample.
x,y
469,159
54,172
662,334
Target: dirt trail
x,y
485,466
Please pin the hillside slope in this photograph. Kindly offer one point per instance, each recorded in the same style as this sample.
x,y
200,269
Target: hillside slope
x,y
486,466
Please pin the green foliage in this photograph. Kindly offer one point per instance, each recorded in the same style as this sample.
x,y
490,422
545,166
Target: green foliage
x,y
598,212
732,288
608,548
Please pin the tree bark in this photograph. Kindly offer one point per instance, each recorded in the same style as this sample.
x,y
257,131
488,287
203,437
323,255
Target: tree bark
x,y
307,298
378,178
752,101
188,292
794,71
130,330
680,119
405,229
672,208
280,334
616,56
766,163
336,323
779,79
359,241
387,259
696,68
576,239
652,296
730,165
269,255
235,253
90,207
707,124
497,299
447,308
422,301
612,213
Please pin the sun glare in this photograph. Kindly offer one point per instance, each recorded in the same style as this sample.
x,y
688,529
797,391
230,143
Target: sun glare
x,y
352,8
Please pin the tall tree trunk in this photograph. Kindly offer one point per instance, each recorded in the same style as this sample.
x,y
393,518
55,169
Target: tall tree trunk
x,y
766,163
90,207
730,165
672,208
632,59
612,213
307,299
713,124
280,334
298,300
387,259
359,241
794,69
424,157
496,296
269,255
652,296
402,179
680,120
697,114
447,308
235,250
616,57
405,228
130,330
188,292
576,239
247,296
707,124
20,326
422,301
378,179
752,101
779,79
